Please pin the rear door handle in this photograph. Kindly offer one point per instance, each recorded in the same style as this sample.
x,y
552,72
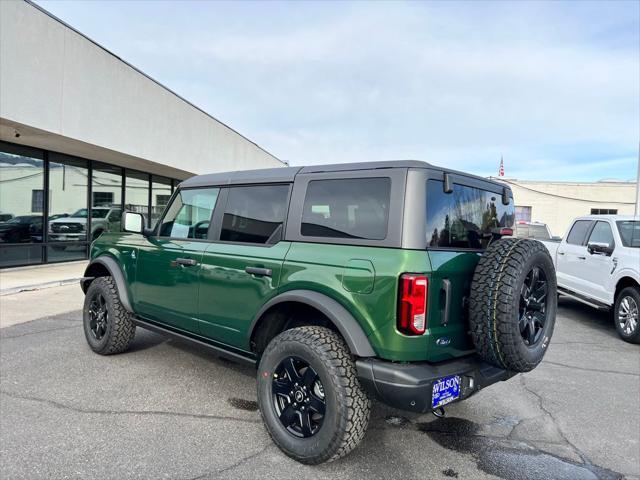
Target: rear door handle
x,y
187,262
446,291
560,253
582,258
259,271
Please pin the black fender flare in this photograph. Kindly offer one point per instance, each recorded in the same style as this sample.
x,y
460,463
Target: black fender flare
x,y
116,273
348,326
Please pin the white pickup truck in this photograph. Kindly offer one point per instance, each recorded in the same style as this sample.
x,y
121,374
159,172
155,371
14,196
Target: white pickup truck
x,y
598,263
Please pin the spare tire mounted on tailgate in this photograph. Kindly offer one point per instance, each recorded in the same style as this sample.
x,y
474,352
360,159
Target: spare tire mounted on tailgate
x,y
513,304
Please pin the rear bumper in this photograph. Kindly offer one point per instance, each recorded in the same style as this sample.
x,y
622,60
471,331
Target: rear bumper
x,y
409,386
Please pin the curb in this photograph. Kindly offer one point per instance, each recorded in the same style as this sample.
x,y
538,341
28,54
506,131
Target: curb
x,y
39,286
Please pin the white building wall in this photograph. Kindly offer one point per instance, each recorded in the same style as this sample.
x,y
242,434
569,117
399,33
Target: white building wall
x,y
558,203
62,85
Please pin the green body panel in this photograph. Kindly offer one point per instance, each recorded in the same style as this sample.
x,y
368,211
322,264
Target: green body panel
x,y
230,298
218,300
122,247
165,291
358,276
458,268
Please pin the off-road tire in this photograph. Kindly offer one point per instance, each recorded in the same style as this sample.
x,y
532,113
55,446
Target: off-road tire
x,y
495,300
634,293
347,405
120,328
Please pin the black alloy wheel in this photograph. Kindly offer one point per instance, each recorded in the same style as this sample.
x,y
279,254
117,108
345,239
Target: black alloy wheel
x,y
533,306
98,315
298,397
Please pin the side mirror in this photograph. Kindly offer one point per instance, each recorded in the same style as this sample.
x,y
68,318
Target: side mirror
x,y
599,248
133,222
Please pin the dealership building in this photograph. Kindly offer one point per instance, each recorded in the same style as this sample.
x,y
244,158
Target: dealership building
x,y
558,203
84,135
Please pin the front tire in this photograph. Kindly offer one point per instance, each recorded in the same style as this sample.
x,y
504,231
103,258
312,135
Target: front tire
x,y
108,326
626,314
310,397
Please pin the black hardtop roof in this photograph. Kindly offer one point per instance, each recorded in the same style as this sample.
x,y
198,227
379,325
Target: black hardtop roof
x,y
288,174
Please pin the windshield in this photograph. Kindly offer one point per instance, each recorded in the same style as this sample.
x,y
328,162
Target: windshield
x,y
95,213
629,232
16,220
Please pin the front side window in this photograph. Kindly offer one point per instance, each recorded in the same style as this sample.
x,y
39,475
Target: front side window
x,y
115,216
468,217
602,234
355,208
255,214
578,232
190,214
629,232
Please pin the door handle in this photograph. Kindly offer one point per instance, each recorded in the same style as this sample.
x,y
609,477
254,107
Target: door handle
x,y
582,258
259,271
446,292
187,262
560,253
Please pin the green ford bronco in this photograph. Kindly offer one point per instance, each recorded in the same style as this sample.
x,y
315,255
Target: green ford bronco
x,y
340,283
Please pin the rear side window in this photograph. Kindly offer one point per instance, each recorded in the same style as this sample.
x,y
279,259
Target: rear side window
x,y
255,214
347,208
578,232
539,232
468,217
630,232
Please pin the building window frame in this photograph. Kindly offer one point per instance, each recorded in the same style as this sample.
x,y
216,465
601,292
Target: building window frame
x,y
43,198
604,211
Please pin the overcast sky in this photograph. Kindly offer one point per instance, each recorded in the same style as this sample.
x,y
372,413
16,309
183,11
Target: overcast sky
x,y
554,87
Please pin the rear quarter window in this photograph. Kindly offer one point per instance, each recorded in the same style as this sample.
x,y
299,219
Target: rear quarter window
x,y
356,208
466,218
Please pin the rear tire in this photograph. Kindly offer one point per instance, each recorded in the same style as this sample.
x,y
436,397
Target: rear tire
x,y
513,304
626,314
316,365
108,326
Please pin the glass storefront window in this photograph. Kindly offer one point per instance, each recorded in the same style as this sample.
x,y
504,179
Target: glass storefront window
x,y
37,227
136,197
68,184
21,204
160,195
106,200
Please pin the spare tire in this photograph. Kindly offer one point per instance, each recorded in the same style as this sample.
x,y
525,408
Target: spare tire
x,y
512,309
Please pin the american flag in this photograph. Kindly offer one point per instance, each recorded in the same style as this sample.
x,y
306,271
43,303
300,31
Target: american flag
x,y
501,170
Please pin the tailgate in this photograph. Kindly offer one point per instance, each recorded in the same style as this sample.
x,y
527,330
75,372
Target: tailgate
x,y
451,277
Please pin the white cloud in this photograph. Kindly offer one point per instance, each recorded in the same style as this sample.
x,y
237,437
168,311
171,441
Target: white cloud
x,y
554,86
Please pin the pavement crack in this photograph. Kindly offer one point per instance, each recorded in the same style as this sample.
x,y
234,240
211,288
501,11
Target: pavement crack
x,y
55,404
574,367
543,408
5,337
233,466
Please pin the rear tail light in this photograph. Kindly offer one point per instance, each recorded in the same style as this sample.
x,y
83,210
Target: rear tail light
x,y
412,307
506,231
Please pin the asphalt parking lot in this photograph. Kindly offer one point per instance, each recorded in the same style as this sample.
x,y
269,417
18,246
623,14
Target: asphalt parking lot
x,y
168,410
